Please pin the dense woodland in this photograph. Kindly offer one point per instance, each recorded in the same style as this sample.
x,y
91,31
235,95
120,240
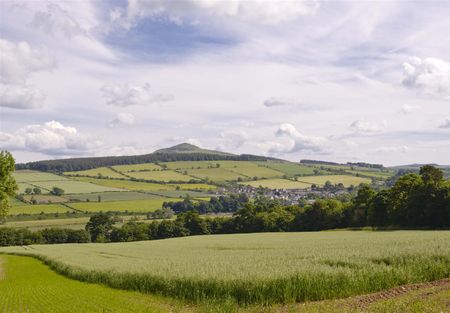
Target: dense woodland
x,y
415,201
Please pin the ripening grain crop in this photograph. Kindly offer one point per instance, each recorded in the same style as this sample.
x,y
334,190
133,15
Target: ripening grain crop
x,y
258,268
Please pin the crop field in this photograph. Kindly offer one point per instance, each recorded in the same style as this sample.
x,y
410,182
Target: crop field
x,y
215,174
110,196
137,167
26,176
30,286
72,223
376,174
37,209
256,171
97,172
74,186
346,180
44,198
182,193
278,184
288,168
22,278
263,268
161,176
189,164
142,186
148,205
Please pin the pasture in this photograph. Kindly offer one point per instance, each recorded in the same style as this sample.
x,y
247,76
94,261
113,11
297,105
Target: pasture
x,y
73,186
278,184
148,205
27,176
215,174
346,180
37,209
137,167
161,176
110,196
142,186
289,168
97,172
264,268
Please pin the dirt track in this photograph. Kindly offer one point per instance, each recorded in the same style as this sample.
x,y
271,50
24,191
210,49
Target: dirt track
x,y
365,300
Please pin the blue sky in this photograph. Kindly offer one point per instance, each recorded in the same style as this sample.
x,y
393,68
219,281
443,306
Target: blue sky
x,y
331,80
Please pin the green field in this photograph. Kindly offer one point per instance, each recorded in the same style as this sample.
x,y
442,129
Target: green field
x,y
148,205
346,180
142,186
23,186
288,168
278,184
161,176
137,167
74,186
110,196
215,174
44,198
260,268
26,176
37,209
189,164
27,285
30,286
97,172
257,171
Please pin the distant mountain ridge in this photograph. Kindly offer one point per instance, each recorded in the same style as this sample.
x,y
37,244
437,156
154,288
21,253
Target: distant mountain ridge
x,y
180,152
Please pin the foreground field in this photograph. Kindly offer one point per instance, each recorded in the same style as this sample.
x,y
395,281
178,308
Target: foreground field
x,y
258,268
23,280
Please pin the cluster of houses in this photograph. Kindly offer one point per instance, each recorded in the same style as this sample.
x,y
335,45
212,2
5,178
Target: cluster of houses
x,y
288,196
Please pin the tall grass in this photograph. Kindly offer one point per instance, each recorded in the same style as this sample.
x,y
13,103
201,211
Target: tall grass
x,y
257,268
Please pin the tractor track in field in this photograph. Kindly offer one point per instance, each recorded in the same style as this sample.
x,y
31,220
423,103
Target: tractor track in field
x,y
363,301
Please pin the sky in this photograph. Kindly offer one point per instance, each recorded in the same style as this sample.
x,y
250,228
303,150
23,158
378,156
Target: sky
x,y
339,81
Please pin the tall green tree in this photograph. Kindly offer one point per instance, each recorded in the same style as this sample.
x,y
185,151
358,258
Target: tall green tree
x,y
8,186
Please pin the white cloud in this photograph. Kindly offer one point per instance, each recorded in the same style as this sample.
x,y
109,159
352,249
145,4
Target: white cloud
x,y
17,63
19,60
430,75
392,149
297,141
52,138
278,102
408,108
20,96
365,127
195,11
232,139
122,119
445,123
123,95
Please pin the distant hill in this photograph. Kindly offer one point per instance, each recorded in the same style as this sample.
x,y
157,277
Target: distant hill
x,y
181,152
188,148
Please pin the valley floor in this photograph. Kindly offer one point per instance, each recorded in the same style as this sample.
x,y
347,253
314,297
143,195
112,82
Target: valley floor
x,y
27,285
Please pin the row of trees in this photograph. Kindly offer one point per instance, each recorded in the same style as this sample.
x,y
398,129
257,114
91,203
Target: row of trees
x,y
23,236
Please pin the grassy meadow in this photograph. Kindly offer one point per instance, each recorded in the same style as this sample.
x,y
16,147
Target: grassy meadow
x,y
147,205
263,268
97,172
38,209
278,183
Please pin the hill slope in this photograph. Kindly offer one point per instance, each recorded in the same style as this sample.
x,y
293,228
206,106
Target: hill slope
x,y
181,152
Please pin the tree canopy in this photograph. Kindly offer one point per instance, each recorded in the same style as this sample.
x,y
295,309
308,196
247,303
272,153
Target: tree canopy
x,y
8,186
